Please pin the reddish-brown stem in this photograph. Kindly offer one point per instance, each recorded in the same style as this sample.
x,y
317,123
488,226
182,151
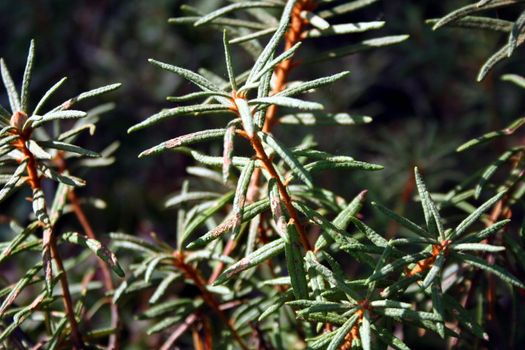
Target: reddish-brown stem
x,y
66,297
260,153
354,331
168,344
292,36
34,182
426,264
208,298
114,342
197,341
282,71
230,246
208,338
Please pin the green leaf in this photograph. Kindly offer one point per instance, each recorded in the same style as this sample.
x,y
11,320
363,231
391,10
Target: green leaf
x,y
464,317
344,218
203,216
56,115
344,8
152,265
390,303
87,94
396,264
326,119
196,95
307,86
246,116
133,243
515,79
388,338
341,333
516,31
55,337
166,307
195,78
491,169
28,74
227,153
509,130
225,22
18,287
472,8
37,151
362,46
239,200
475,215
4,115
234,7
184,140
47,95
277,305
341,162
69,148
270,65
287,102
63,178
250,211
477,22
182,110
13,181
189,197
229,65
314,20
335,279
478,247
163,286
494,269
434,271
432,221
262,254
437,307
346,28
409,225
18,240
10,87
252,36
364,331
496,58
295,263
270,48
96,247
372,235
407,314
295,166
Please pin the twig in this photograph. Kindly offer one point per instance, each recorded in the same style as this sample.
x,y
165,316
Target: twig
x,y
49,237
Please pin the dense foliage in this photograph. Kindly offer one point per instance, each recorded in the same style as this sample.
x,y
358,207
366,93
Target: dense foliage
x,y
274,237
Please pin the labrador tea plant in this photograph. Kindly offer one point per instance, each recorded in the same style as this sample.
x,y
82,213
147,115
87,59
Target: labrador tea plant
x,y
265,257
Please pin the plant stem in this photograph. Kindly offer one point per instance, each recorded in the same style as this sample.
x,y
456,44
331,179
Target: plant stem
x,y
114,342
66,297
194,275
49,237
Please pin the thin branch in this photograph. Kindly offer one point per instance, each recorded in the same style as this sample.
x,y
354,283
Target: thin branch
x,y
49,236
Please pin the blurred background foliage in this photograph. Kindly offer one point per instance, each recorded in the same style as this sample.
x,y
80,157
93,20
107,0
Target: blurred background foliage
x,y
422,94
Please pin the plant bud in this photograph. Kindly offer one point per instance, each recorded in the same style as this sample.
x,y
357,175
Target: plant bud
x,y
18,120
